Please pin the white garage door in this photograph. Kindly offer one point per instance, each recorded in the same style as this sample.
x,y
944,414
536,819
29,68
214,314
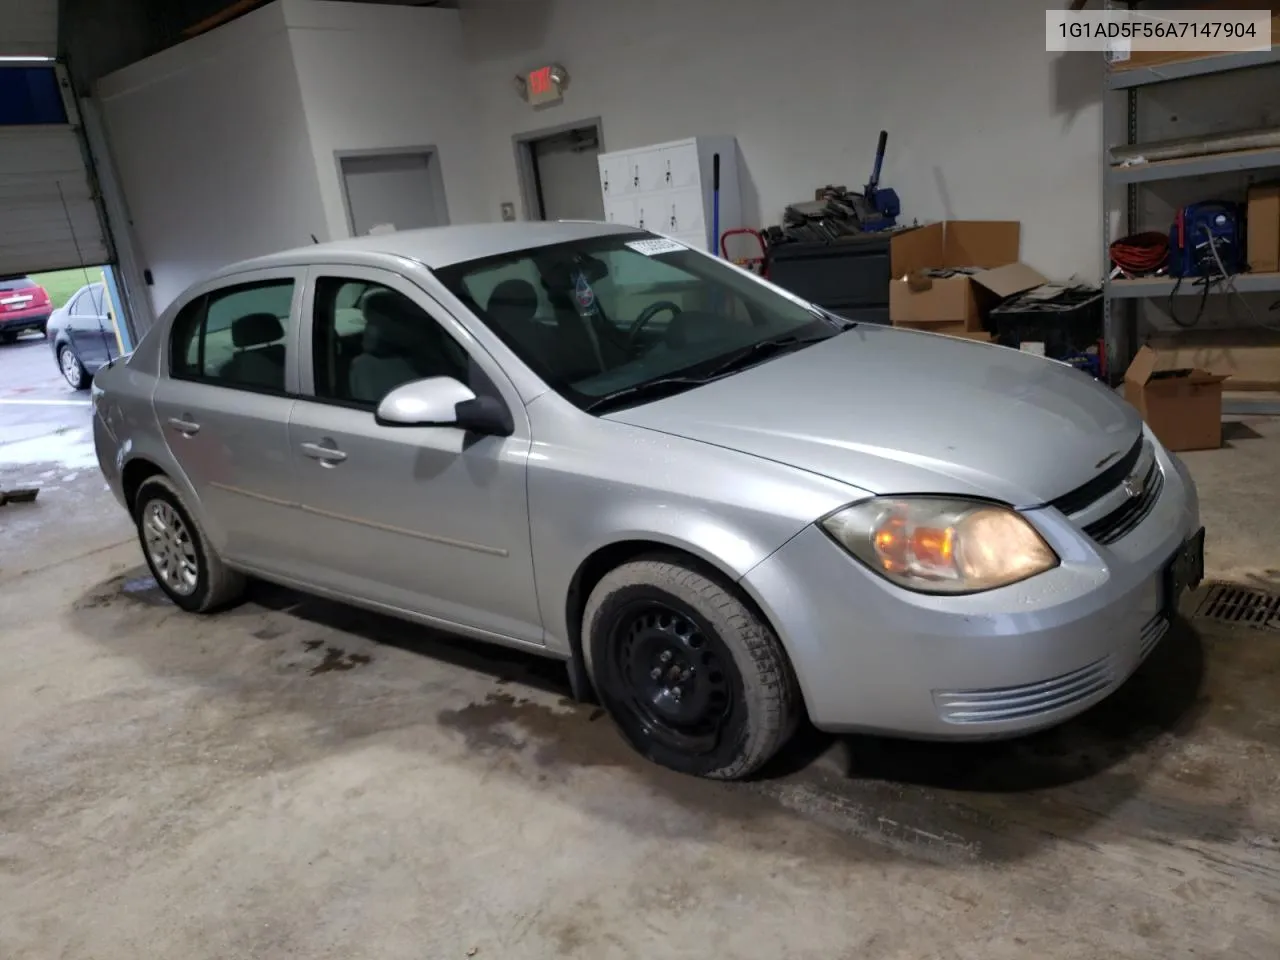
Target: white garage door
x,y
48,215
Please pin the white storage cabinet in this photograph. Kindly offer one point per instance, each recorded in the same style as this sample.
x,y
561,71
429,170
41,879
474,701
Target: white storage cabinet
x,y
668,188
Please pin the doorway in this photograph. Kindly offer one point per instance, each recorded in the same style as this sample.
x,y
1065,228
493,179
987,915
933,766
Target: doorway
x,y
385,191
559,175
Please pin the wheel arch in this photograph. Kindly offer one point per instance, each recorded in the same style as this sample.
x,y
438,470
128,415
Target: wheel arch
x,y
613,555
136,471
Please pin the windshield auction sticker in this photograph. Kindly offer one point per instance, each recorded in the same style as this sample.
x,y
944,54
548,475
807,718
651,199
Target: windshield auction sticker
x,y
656,246
1122,33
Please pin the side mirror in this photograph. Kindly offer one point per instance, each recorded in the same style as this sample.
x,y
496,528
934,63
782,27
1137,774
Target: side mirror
x,y
443,402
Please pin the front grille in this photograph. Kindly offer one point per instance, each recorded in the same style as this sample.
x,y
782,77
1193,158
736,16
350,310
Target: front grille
x,y
1132,512
1022,702
1097,488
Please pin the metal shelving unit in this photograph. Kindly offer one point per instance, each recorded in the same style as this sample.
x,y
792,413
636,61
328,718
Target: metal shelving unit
x,y
1121,297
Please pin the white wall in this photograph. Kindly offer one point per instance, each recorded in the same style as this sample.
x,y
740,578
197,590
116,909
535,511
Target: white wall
x,y
375,76
982,122
212,151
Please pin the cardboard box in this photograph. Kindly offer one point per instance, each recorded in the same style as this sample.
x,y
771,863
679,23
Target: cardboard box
x,y
990,247
1152,58
1181,405
1251,358
1262,241
948,329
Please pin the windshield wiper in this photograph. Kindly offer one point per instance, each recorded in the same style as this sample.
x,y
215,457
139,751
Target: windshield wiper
x,y
758,352
650,390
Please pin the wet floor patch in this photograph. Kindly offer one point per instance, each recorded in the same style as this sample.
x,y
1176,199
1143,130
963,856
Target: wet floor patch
x,y
336,660
133,587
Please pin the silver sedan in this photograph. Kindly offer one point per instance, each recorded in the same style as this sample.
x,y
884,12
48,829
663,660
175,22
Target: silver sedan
x,y
722,507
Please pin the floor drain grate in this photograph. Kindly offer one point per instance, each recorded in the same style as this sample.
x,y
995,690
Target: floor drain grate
x,y
1227,603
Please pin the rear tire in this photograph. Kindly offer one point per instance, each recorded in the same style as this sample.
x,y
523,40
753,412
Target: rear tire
x,y
8,337
693,677
73,370
178,553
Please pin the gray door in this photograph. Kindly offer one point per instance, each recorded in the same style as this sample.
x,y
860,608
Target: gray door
x,y
224,410
570,181
429,519
86,327
400,190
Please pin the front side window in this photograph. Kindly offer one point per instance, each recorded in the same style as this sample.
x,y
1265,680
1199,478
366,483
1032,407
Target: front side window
x,y
234,337
603,318
368,339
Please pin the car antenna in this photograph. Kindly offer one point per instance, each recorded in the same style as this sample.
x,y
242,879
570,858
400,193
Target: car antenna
x,y
71,227
313,239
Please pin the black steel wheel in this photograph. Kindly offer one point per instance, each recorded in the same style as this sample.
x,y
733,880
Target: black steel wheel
x,y
695,680
676,675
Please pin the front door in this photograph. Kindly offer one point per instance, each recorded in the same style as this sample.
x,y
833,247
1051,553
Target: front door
x,y
84,327
430,520
224,410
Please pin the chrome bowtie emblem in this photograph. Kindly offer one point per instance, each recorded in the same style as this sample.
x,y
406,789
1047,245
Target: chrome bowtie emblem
x,y
1134,486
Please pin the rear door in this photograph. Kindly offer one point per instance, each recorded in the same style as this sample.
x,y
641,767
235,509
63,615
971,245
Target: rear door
x,y
223,404
84,327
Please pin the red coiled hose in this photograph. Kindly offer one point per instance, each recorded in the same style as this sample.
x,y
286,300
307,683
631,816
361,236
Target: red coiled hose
x,y
1140,253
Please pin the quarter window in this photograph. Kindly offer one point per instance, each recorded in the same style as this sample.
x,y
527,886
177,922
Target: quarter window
x,y
234,337
369,339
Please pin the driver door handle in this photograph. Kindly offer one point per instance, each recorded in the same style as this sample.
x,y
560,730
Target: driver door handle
x,y
325,454
184,425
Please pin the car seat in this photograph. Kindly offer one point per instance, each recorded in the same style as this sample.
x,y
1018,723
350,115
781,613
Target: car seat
x,y
400,345
259,357
511,310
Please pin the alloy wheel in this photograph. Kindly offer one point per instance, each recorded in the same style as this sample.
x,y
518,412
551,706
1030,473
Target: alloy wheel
x,y
70,366
170,548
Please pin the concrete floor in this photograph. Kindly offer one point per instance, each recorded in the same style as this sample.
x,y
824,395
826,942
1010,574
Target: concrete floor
x,y
297,778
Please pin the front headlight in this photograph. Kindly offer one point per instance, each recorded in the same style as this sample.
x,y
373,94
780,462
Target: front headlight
x,y
939,545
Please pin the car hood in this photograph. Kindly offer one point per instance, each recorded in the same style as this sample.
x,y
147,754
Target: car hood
x,y
895,411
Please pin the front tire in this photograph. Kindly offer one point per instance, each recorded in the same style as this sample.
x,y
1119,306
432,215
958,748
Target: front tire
x,y
178,553
693,677
72,369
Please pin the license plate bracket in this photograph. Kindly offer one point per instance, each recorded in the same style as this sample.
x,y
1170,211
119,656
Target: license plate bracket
x,y
1183,572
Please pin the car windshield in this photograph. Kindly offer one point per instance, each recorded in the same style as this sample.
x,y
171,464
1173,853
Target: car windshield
x,y
613,320
16,283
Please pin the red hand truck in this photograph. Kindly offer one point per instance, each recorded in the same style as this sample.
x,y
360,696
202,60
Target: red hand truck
x,y
756,265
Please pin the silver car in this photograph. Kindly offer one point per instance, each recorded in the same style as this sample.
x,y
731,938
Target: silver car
x,y
724,508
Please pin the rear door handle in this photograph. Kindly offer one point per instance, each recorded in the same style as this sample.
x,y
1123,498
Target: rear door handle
x,y
325,454
184,426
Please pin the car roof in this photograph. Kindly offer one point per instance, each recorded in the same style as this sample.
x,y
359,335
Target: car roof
x,y
436,247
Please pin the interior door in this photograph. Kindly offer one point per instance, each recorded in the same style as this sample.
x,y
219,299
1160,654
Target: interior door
x,y
400,191
223,405
425,519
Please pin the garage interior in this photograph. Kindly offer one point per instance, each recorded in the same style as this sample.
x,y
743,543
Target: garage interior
x,y
297,777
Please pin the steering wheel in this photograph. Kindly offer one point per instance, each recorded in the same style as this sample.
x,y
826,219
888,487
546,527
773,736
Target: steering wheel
x,y
648,313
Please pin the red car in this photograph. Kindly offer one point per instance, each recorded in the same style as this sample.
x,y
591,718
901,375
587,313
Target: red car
x,y
24,305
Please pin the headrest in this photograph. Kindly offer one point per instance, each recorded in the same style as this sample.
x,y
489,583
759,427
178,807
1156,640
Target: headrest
x,y
513,300
255,329
391,323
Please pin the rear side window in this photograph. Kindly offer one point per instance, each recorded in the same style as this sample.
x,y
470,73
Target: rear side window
x,y
87,303
234,337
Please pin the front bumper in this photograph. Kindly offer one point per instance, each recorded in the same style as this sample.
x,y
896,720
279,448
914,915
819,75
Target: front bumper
x,y
873,657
